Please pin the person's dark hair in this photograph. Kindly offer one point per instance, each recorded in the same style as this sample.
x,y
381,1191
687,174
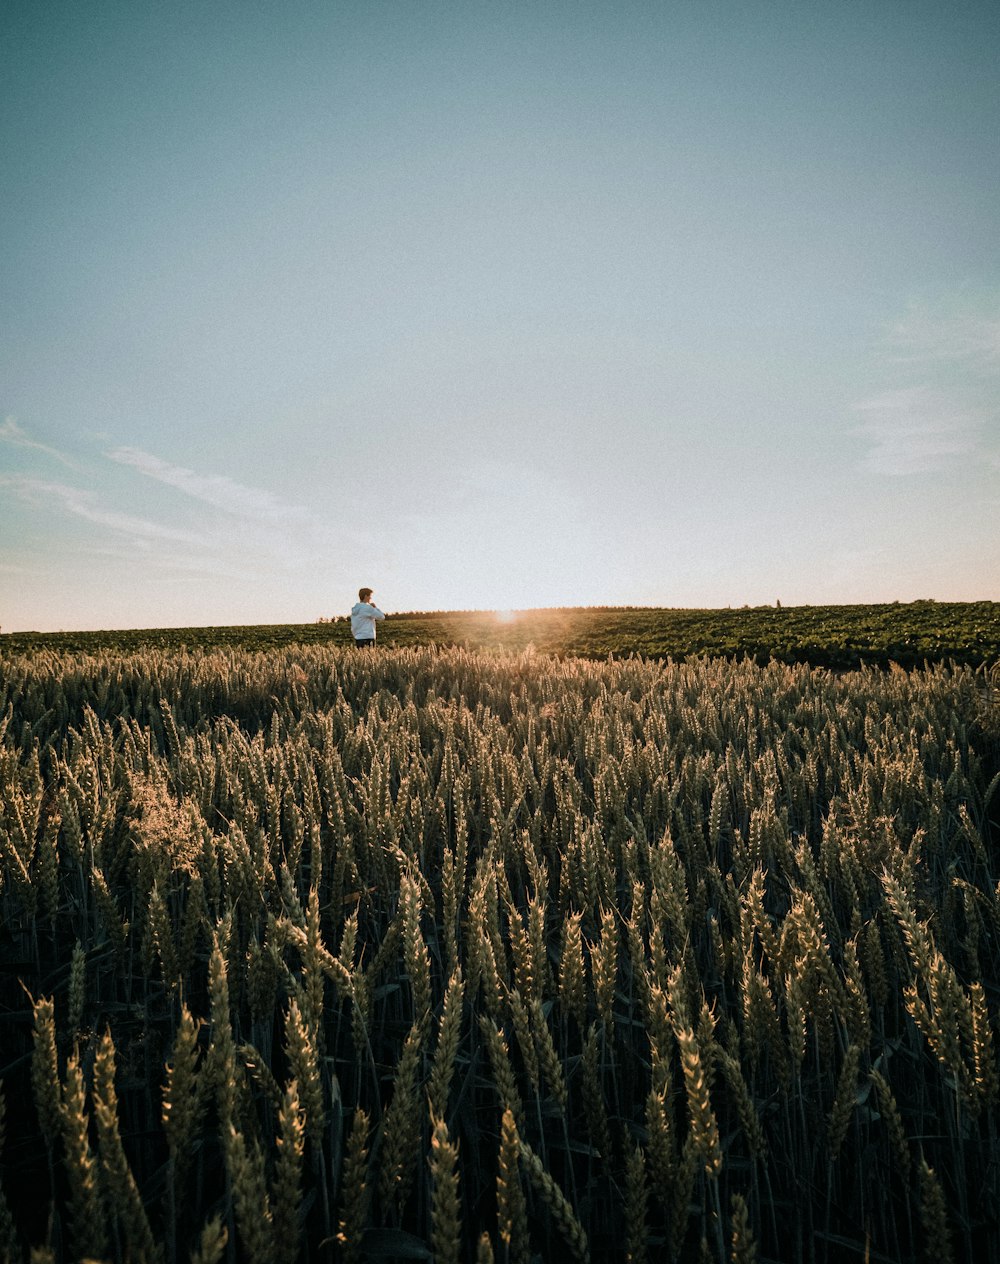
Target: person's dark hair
x,y
364,594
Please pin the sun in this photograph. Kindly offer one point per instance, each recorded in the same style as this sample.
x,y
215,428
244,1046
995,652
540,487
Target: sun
x,y
505,616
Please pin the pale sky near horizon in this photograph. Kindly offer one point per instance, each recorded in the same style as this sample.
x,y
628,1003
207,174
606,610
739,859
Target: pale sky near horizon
x,y
494,305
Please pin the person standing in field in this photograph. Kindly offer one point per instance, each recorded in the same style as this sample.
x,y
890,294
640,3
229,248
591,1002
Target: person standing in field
x,y
363,618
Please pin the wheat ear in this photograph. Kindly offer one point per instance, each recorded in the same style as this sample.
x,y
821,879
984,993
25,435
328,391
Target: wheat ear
x,y
547,1056
744,1246
287,1188
889,1111
636,1199
10,1245
45,1071
934,1217
356,1192
558,1204
182,1094
512,1213
446,1208
85,1212
401,1125
704,1125
254,1218
449,1036
845,1099
77,986
503,1072
593,1093
212,1244
303,1057
121,1189
747,1111
984,1057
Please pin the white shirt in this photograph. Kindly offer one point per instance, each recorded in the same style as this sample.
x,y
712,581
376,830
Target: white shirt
x,y
363,617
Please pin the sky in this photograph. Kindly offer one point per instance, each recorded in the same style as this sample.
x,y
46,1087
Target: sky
x,y
495,305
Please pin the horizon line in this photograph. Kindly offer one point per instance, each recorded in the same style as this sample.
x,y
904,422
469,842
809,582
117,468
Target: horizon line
x,y
513,610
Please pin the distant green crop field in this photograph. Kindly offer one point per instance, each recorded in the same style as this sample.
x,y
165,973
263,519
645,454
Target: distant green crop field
x,y
831,636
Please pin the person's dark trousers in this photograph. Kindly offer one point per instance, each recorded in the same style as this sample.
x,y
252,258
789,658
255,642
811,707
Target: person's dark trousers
x,y
367,644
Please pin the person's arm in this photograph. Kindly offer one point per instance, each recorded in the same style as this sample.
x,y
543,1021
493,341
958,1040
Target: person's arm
x,y
377,613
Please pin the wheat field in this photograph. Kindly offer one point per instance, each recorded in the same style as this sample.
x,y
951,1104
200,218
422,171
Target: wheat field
x,y
311,954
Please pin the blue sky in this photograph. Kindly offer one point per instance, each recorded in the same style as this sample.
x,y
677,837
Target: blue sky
x,y
495,305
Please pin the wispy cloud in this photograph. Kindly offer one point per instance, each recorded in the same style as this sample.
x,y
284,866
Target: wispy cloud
x,y
943,409
178,563
253,523
244,534
917,430
967,338
86,505
11,432
217,490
